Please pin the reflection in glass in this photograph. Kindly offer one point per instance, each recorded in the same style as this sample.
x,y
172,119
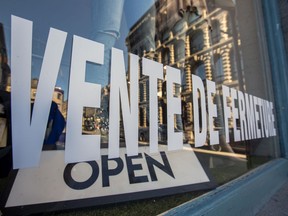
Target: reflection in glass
x,y
210,39
202,38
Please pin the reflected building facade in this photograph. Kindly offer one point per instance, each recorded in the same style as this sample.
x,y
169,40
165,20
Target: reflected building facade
x,y
4,67
196,37
58,95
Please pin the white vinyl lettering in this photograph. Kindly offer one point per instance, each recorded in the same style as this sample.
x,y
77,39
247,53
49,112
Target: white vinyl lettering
x,y
81,147
226,110
257,115
155,71
273,130
119,92
242,116
198,94
265,117
261,116
212,112
235,115
28,135
250,116
175,140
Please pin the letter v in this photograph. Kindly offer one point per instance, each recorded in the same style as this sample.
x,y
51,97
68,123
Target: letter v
x,y
28,131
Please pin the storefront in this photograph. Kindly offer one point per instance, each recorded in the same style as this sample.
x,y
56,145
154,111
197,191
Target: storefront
x,y
172,106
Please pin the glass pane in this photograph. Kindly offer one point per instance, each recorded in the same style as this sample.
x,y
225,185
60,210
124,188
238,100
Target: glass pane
x,y
217,41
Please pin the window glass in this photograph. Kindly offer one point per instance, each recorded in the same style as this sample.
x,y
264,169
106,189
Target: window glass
x,y
217,41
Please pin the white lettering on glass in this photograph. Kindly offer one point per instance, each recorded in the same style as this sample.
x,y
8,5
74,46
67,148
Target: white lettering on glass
x,y
199,95
28,133
175,139
226,110
118,91
155,71
235,114
242,114
80,147
212,112
250,116
254,115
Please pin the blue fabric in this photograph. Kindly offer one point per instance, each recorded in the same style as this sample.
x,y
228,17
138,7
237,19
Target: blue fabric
x,y
57,126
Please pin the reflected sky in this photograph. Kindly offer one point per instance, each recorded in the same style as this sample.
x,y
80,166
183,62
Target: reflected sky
x,y
74,17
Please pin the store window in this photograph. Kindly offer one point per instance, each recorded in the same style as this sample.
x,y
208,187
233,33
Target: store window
x,y
89,63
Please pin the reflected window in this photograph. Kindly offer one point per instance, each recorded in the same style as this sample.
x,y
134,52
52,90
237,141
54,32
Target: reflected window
x,y
183,78
215,31
196,41
200,70
179,50
234,71
218,65
166,56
